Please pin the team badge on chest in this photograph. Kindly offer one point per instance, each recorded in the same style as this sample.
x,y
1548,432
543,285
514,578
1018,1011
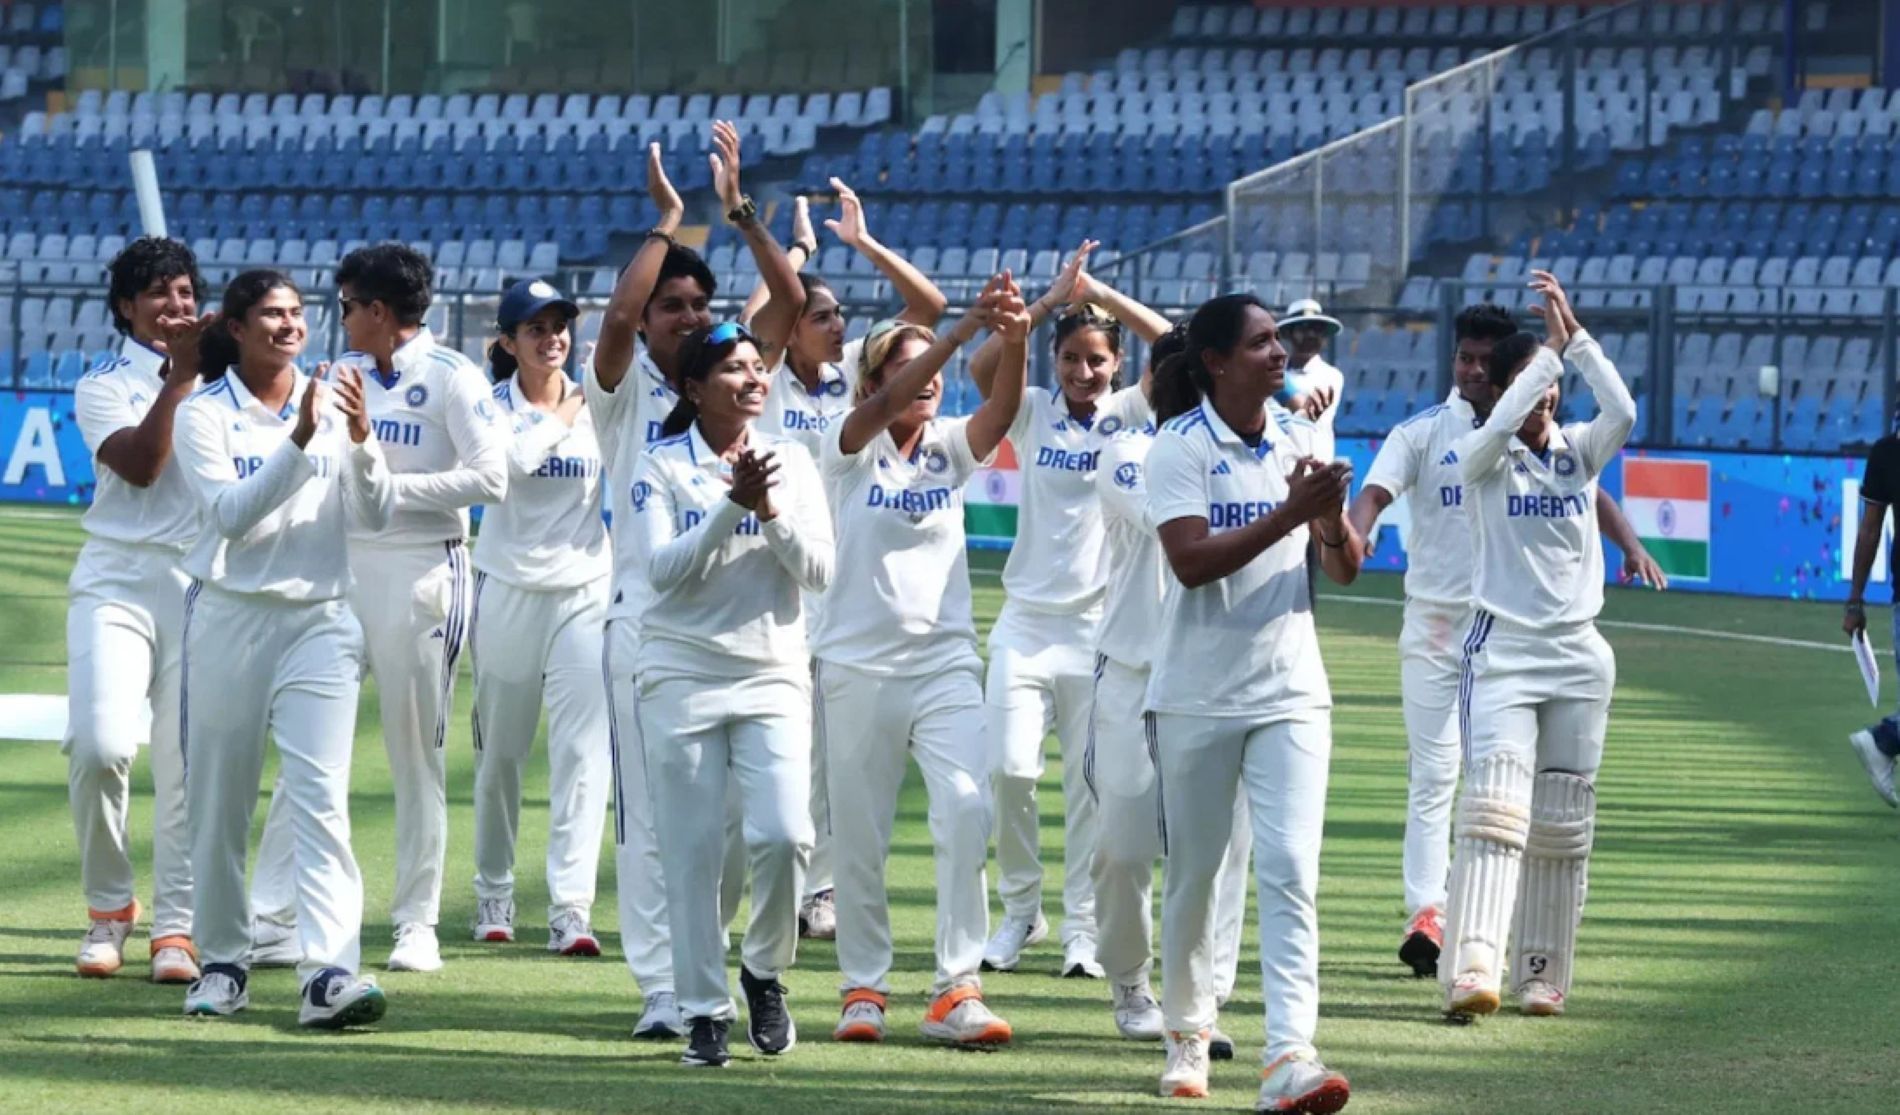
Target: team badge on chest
x,y
416,395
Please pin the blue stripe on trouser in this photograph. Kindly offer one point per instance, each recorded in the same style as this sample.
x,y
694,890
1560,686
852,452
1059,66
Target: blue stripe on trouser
x,y
474,627
184,679
613,736
1481,621
453,628
1154,756
1088,750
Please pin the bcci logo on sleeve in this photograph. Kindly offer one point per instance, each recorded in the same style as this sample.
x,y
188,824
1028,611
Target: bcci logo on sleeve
x,y
485,411
936,462
1128,475
416,396
641,493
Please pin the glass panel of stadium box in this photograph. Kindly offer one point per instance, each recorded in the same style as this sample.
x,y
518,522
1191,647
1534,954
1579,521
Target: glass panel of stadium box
x,y
1715,210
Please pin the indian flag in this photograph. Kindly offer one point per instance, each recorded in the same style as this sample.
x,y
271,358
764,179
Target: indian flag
x,y
990,498
1667,502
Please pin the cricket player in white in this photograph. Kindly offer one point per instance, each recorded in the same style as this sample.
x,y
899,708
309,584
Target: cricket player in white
x,y
1041,668
662,297
1119,768
1235,497
542,571
897,662
437,422
812,386
125,621
1538,676
735,532
281,464
1313,386
1419,459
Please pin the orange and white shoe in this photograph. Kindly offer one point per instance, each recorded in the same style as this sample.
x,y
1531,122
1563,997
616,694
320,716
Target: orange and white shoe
x,y
1472,993
863,1017
102,952
1297,1082
959,1016
1185,1077
1539,999
174,960
1424,940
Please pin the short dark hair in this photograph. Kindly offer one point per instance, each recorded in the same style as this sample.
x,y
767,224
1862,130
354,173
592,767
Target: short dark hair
x,y
1484,321
148,260
684,263
1507,356
394,274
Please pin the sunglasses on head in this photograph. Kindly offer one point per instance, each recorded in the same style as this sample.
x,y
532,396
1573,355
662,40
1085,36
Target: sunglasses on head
x,y
728,331
1091,313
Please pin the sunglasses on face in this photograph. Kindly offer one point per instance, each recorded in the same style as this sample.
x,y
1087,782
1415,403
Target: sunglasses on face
x,y
728,331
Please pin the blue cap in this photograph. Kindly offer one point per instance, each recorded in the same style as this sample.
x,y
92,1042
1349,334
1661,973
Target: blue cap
x,y
528,298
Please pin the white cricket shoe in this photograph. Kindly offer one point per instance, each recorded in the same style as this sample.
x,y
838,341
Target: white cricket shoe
x,y
495,919
959,1016
570,935
1185,1077
219,992
1005,949
1472,993
102,950
1539,999
660,1020
862,1019
274,944
1078,960
1298,1082
416,949
1879,766
1137,1015
173,961
334,999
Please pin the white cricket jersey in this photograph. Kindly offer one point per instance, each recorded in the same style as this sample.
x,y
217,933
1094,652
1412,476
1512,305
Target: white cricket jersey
x,y
1539,559
803,415
901,605
548,532
1420,456
276,517
441,433
1137,575
116,395
1244,645
1318,373
1057,562
727,589
627,420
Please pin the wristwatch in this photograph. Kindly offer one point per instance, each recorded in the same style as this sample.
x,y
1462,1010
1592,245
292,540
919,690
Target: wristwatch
x,y
661,234
809,248
743,212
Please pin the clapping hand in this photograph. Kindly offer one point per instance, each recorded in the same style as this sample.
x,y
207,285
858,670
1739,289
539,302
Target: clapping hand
x,y
754,475
982,313
1072,283
849,226
660,188
1317,490
184,344
348,387
1559,320
725,164
1010,317
310,408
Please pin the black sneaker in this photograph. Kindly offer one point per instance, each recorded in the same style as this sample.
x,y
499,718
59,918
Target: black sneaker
x,y
706,1048
768,1025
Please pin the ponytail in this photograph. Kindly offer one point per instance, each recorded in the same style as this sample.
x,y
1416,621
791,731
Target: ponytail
x,y
501,363
217,351
681,418
1180,384
1182,380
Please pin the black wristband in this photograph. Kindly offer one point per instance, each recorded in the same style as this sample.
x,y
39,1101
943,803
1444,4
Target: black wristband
x,y
660,234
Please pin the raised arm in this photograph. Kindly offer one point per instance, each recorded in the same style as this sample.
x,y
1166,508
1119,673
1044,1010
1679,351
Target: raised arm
x,y
620,322
1060,293
137,448
923,302
874,415
991,422
805,243
786,295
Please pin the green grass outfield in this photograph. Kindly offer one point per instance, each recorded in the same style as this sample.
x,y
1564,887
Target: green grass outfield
x,y
1739,953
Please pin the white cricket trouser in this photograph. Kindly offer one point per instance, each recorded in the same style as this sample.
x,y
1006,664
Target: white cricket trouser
x,y
872,723
124,645
528,648
1041,675
641,882
818,876
1282,764
1430,660
1121,774
1535,700
413,603
256,666
705,737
